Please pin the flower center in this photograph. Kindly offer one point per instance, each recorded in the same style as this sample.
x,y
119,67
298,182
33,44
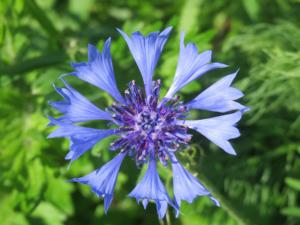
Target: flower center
x,y
146,121
149,126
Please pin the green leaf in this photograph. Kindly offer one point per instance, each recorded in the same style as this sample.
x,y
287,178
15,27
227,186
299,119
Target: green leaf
x,y
8,215
62,198
291,211
293,183
189,15
252,7
81,8
49,214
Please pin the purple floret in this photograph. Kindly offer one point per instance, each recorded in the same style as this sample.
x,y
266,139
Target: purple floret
x,y
149,125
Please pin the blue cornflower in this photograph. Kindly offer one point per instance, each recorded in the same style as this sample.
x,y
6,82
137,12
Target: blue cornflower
x,y
149,129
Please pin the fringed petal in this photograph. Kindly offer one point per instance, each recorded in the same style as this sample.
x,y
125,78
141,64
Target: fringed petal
x,y
81,138
218,129
185,186
103,180
77,108
151,188
146,51
219,97
98,71
191,65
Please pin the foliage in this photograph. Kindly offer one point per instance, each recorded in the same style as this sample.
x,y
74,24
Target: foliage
x,y
38,38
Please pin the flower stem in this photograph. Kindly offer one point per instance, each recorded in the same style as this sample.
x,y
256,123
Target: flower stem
x,y
168,219
225,203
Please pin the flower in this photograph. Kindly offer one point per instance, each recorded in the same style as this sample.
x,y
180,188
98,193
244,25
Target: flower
x,y
150,128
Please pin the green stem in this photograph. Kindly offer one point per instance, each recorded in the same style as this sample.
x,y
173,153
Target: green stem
x,y
225,203
161,222
168,218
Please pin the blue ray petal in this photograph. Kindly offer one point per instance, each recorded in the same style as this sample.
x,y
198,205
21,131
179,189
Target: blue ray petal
x,y
103,180
98,71
81,138
77,108
218,129
151,188
146,51
191,65
186,186
219,97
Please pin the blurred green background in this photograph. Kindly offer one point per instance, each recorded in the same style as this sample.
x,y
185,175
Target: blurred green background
x,y
38,40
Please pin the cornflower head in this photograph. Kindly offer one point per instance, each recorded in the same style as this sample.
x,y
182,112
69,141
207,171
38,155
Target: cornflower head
x,y
150,128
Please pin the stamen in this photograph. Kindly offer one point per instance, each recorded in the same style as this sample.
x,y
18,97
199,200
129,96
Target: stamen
x,y
149,127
